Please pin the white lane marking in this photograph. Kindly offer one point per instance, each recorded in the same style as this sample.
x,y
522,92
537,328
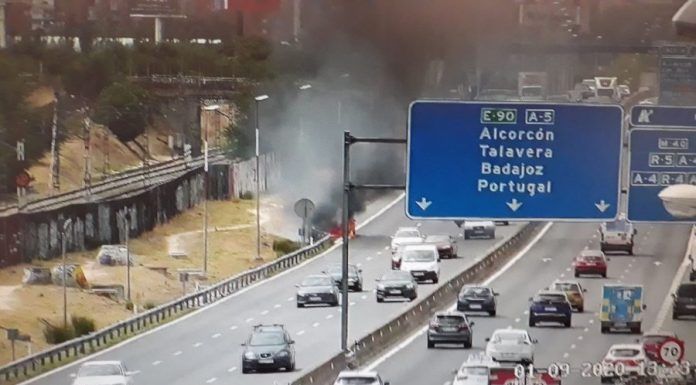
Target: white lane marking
x,y
565,355
232,369
517,320
526,312
657,263
625,270
351,303
621,277
591,321
572,346
367,259
386,247
264,312
364,296
177,353
301,332
316,324
262,282
329,316
290,299
490,279
594,235
567,268
580,338
358,264
216,335
633,259
211,380
667,303
586,329
233,327
509,326
155,363
630,265
197,344
249,319
562,275
277,306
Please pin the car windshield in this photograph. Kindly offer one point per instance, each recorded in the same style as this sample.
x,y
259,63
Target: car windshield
x,y
591,258
619,226
687,291
509,336
418,256
100,370
476,292
397,275
317,281
449,320
407,234
625,352
566,286
550,298
357,381
267,338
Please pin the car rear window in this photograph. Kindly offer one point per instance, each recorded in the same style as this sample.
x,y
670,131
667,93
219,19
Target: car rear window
x,y
472,371
550,298
100,370
476,291
449,319
567,286
592,258
618,226
509,336
625,352
418,256
267,338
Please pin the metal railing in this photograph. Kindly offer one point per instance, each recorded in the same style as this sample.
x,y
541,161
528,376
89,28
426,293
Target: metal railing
x,y
120,180
92,342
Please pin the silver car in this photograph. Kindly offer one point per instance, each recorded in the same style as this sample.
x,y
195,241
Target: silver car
x,y
317,289
479,229
103,373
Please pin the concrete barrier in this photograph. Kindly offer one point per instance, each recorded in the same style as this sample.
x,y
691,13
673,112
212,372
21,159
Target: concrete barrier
x,y
385,337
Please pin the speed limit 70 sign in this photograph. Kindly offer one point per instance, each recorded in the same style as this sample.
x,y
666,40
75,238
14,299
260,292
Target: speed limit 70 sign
x,y
672,351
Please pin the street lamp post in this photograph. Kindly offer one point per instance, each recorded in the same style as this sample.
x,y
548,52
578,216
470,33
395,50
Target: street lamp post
x,y
64,228
258,99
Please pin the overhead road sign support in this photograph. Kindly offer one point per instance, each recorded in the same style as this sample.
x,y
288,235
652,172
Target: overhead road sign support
x,y
663,116
662,175
513,161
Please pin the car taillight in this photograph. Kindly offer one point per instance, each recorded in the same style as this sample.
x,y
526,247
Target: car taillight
x,y
463,327
434,324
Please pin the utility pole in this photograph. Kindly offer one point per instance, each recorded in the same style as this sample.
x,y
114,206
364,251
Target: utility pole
x,y
54,185
258,99
64,229
205,201
87,155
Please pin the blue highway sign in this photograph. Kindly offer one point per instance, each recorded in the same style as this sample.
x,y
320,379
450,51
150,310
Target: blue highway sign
x,y
663,116
513,161
659,159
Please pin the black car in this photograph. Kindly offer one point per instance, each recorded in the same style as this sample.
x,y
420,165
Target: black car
x,y
269,347
550,306
684,303
396,283
449,327
477,298
317,289
446,245
355,281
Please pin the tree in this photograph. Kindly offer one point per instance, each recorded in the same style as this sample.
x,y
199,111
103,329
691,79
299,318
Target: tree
x,y
124,108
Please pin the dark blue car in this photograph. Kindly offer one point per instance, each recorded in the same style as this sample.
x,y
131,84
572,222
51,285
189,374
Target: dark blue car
x,y
550,306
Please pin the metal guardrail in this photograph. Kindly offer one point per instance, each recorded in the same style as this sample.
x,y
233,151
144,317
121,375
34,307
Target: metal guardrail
x,y
89,344
386,336
119,180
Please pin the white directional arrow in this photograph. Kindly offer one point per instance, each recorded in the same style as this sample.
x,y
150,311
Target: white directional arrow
x,y
602,205
657,263
546,259
514,205
424,203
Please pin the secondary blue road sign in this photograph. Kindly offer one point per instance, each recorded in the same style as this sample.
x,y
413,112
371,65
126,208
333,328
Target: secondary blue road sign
x,y
513,161
663,116
661,158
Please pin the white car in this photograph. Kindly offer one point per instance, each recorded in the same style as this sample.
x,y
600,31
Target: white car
x,y
103,373
347,377
422,261
623,359
479,229
511,345
406,236
476,370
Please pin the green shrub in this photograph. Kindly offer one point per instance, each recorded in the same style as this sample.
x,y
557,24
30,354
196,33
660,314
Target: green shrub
x,y
83,325
284,246
247,195
58,334
149,305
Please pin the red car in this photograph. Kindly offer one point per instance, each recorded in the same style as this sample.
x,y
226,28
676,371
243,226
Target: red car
x,y
590,262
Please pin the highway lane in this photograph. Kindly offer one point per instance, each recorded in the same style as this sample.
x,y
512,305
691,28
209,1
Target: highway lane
x,y
685,328
660,250
205,347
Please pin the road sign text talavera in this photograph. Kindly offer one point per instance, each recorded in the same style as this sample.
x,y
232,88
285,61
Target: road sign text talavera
x,y
519,161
